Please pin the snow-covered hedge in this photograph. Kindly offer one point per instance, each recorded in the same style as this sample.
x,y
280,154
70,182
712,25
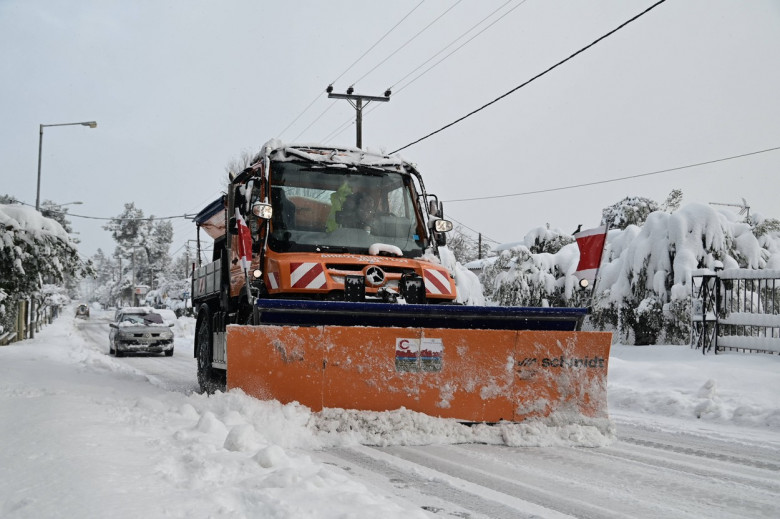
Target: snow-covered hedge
x,y
33,250
644,288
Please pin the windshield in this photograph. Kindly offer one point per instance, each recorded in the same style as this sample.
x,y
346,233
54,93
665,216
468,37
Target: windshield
x,y
343,209
149,318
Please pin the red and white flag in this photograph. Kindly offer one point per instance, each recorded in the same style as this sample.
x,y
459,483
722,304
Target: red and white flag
x,y
591,243
244,242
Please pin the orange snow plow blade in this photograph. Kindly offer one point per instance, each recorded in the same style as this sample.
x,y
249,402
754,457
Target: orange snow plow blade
x,y
472,375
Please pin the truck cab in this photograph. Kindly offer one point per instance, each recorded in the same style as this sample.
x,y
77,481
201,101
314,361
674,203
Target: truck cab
x,y
328,224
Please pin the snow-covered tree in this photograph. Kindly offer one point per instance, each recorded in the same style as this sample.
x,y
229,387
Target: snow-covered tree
x,y
142,242
534,273
34,250
644,288
632,210
57,213
546,240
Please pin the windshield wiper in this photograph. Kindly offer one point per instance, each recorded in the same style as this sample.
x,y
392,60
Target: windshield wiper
x,y
330,248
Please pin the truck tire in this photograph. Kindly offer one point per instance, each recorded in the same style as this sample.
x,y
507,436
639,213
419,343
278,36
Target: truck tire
x,y
207,379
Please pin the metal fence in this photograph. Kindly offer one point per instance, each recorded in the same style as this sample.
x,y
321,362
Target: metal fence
x,y
736,309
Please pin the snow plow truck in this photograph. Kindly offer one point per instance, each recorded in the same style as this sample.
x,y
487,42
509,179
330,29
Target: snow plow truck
x,y
326,287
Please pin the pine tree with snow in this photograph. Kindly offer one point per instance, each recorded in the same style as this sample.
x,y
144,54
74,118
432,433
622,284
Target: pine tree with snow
x,y
143,243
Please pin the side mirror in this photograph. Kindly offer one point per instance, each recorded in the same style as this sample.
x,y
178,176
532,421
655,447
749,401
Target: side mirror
x,y
262,210
442,225
113,325
438,229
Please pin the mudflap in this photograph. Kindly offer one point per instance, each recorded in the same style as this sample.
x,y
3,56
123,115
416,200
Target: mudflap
x,y
472,375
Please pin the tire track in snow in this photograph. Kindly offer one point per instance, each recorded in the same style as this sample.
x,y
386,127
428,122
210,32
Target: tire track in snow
x,y
434,492
644,475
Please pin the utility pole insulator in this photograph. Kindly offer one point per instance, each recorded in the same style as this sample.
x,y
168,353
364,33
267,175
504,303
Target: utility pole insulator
x,y
356,100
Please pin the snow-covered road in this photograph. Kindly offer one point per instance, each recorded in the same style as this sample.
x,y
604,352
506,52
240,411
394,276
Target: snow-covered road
x,y
644,473
656,466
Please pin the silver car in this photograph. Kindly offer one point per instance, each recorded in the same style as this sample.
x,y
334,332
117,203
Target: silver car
x,y
140,330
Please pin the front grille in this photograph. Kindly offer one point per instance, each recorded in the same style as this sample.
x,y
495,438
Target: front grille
x,y
359,268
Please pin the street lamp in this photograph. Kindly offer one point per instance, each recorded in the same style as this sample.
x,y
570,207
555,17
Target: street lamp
x,y
91,124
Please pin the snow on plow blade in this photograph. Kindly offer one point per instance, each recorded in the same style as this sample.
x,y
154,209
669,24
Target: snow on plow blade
x,y
474,364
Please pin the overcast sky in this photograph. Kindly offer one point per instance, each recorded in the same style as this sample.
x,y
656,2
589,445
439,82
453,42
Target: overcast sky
x,y
179,88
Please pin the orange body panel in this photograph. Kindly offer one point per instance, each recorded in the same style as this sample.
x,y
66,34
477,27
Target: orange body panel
x,y
323,273
469,375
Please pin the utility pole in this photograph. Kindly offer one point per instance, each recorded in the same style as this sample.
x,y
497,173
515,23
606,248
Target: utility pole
x,y
356,100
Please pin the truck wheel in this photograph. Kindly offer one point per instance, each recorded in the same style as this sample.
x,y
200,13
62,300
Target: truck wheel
x,y
206,377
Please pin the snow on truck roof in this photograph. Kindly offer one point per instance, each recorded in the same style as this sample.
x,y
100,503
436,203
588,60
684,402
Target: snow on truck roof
x,y
332,155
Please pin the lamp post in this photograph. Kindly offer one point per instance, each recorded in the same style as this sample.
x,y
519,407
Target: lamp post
x,y
91,124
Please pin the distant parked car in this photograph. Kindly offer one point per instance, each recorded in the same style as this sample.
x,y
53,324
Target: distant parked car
x,y
140,330
82,311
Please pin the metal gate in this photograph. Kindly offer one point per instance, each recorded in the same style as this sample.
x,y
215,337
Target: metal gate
x,y
736,309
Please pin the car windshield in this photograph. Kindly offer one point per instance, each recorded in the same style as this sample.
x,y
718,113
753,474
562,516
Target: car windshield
x,y
343,209
148,318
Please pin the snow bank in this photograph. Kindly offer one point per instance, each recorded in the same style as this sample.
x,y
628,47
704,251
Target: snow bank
x,y
680,383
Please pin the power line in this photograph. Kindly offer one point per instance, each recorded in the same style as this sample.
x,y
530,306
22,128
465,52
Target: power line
x,y
410,40
343,126
610,33
453,42
678,168
150,218
378,41
315,120
316,98
348,69
484,236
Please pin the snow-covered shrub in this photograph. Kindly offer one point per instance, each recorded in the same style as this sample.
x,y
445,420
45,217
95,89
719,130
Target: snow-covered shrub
x,y
632,210
644,288
33,250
